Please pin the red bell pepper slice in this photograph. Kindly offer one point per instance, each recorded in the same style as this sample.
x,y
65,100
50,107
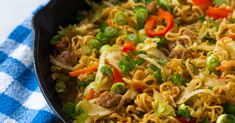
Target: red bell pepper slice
x,y
203,4
117,77
153,20
217,13
128,46
183,120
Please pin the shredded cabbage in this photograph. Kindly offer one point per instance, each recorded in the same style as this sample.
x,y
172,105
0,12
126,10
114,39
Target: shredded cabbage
x,y
56,62
93,110
183,98
151,60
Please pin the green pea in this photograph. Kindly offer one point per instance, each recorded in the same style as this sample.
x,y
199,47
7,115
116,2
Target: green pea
x,y
111,32
133,37
95,43
212,62
120,18
118,88
226,118
104,48
101,37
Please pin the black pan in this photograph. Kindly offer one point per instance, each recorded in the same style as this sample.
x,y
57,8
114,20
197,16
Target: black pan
x,y
45,23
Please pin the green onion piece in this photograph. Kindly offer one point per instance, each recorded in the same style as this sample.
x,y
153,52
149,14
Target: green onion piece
x,y
205,121
165,4
81,84
157,73
212,62
139,52
141,16
229,108
201,18
106,70
161,42
177,21
60,86
148,1
139,61
118,88
137,1
95,43
133,37
103,25
69,109
183,111
86,82
85,49
101,37
105,48
79,17
81,115
126,64
120,18
178,79
55,39
163,109
111,32
219,2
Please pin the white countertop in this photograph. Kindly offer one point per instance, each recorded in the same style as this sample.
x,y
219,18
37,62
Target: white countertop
x,y
14,12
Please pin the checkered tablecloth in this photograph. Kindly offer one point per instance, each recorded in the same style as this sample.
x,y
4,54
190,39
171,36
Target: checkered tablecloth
x,y
20,97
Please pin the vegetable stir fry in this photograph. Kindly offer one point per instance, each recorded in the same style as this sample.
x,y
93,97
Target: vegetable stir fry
x,y
144,61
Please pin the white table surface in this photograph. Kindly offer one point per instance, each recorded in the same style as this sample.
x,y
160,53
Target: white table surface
x,y
14,12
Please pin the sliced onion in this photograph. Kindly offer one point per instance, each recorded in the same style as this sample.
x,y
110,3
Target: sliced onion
x,y
57,63
151,60
185,97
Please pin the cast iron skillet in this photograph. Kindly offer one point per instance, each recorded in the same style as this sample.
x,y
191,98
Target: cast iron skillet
x,y
45,23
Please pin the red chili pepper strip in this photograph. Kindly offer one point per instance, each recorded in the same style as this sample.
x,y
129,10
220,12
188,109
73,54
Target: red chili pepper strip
x,y
128,46
203,4
117,77
217,13
183,120
153,20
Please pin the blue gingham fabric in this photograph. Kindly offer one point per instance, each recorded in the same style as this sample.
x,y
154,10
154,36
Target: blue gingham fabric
x,y
21,100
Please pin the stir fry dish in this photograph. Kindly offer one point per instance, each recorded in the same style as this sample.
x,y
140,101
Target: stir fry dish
x,y
148,61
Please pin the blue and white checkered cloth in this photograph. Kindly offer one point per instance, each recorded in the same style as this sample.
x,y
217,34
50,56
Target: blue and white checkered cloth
x,y
20,97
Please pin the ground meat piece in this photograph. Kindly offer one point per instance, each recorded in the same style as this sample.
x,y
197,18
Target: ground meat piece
x,y
186,54
189,34
171,45
68,58
180,52
62,45
152,7
184,42
182,1
109,99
